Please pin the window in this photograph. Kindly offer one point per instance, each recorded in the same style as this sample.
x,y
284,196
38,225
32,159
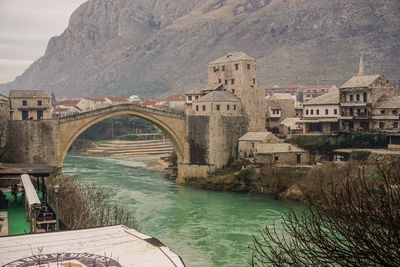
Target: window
x,y
254,81
24,103
232,81
395,125
248,66
219,81
326,111
351,112
226,82
39,102
394,111
381,125
40,114
358,97
215,69
358,111
312,112
234,107
190,98
24,114
196,97
364,97
227,107
351,98
382,111
335,111
306,111
233,91
223,68
317,111
197,107
276,158
236,66
204,107
217,107
298,158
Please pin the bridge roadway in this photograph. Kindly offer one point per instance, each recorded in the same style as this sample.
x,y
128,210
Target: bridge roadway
x,y
171,123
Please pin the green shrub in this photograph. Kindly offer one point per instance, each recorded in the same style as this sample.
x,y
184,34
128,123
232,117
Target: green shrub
x,y
360,155
246,174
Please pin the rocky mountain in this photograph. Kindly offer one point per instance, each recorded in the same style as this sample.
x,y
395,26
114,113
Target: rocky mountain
x,y
160,47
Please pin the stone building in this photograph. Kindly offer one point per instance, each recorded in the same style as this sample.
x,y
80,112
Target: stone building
x,y
290,126
217,102
237,74
196,93
30,105
386,113
249,141
313,91
281,153
321,114
279,107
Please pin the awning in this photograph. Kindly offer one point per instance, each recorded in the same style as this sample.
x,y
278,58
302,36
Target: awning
x,y
30,192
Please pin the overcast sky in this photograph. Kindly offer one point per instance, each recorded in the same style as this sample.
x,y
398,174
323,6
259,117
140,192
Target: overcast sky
x,y
25,28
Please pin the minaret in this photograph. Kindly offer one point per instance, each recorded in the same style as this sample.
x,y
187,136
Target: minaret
x,y
361,67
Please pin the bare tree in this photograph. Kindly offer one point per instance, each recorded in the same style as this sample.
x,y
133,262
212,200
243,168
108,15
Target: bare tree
x,y
86,205
352,223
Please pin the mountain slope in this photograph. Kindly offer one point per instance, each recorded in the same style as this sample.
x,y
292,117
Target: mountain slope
x,y
160,47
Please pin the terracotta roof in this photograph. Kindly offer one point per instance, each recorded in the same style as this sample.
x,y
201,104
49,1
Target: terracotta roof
x,y
291,85
68,102
218,96
29,94
95,98
332,97
256,136
361,81
236,56
176,98
388,102
117,99
277,148
267,86
327,86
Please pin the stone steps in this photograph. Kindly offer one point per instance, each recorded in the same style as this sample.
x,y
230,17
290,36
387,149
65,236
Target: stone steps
x,y
132,148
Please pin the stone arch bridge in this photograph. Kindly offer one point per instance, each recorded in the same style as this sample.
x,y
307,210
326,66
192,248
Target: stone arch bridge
x,y
171,123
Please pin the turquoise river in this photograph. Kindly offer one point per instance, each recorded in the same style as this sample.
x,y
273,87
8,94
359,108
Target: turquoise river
x,y
206,228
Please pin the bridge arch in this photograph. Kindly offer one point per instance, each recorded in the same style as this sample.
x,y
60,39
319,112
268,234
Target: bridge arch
x,y
171,123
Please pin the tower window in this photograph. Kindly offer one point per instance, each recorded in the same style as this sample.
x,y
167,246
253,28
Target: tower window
x,y
254,81
227,107
335,111
312,112
197,107
217,107
39,102
326,111
219,81
236,66
204,107
226,82
248,66
351,98
223,68
232,81
234,107
317,111
306,111
233,91
24,103
215,69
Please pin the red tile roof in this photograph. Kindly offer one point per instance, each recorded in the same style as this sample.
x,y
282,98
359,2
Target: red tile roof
x,y
67,102
176,98
291,85
117,99
95,98
327,86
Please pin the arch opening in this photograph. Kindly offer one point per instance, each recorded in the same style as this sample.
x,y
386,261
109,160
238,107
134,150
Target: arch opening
x,y
72,129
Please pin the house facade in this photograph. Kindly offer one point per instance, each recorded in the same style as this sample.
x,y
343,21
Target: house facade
x,y
30,105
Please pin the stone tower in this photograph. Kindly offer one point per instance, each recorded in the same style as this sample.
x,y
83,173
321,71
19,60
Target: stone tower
x,y
237,74
361,67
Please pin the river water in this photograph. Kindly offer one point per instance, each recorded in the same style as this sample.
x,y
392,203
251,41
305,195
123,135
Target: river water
x,y
206,228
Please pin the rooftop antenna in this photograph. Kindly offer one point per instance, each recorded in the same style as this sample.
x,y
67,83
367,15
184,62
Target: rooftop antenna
x,y
361,67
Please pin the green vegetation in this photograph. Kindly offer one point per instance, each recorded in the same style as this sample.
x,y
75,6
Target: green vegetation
x,y
360,155
326,144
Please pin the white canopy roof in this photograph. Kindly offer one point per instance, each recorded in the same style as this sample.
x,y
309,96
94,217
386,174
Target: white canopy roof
x,y
30,191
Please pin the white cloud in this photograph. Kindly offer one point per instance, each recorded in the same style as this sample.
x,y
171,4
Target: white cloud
x,y
25,28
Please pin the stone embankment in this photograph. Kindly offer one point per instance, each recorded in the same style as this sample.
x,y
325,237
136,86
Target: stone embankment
x,y
118,148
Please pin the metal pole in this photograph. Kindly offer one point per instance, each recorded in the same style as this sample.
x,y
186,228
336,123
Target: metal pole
x,y
57,218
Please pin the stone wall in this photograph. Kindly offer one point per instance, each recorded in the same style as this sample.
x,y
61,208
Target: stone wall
x,y
211,141
4,123
289,158
32,142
